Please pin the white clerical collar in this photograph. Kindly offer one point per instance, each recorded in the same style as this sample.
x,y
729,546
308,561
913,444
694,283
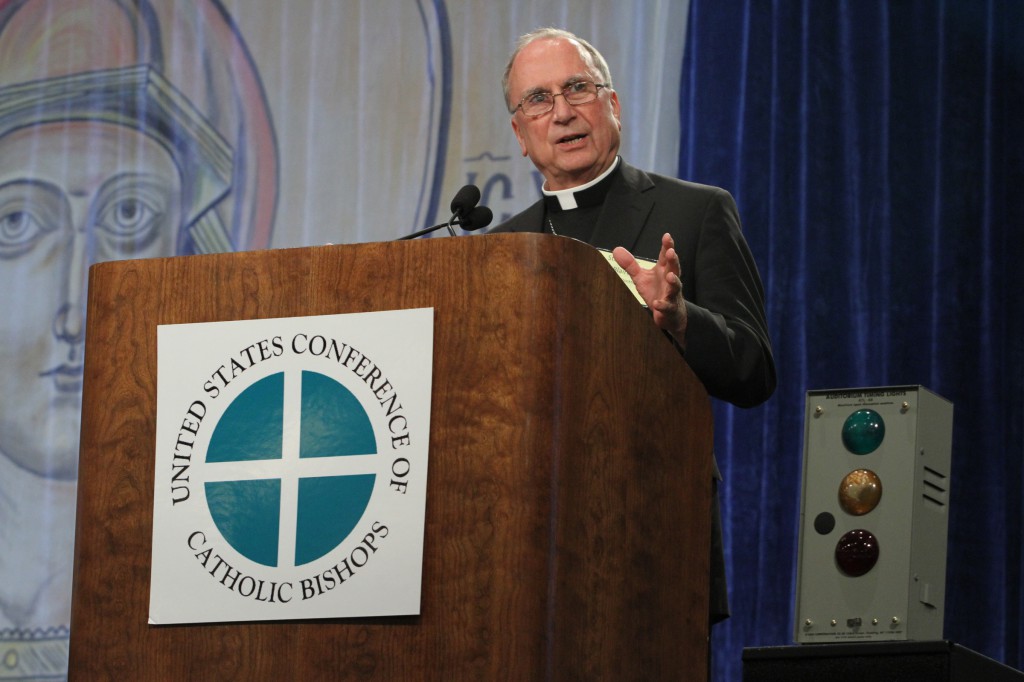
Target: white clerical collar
x,y
567,197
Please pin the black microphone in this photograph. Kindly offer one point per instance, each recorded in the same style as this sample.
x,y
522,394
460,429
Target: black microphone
x,y
465,199
478,218
465,213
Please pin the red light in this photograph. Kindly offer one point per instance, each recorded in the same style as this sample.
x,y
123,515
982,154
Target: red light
x,y
857,553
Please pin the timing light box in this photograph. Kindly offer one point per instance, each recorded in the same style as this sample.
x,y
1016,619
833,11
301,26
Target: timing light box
x,y
874,515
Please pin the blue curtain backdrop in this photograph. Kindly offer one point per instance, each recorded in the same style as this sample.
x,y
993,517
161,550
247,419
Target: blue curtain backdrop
x,y
876,150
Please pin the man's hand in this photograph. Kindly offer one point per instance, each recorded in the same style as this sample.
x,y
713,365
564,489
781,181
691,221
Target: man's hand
x,y
660,287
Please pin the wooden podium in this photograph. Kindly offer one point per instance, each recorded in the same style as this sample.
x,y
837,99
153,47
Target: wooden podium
x,y
568,499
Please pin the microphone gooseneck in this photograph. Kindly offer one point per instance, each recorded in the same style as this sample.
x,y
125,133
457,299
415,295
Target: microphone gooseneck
x,y
465,213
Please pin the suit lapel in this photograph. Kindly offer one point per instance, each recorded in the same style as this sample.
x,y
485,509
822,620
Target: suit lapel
x,y
625,210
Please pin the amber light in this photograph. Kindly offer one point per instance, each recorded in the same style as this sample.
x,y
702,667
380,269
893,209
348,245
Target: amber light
x,y
860,492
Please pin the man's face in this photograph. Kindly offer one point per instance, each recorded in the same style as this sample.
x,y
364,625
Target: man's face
x,y
570,145
70,195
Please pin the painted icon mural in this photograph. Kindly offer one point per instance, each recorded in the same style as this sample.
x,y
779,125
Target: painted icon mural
x,y
153,128
111,146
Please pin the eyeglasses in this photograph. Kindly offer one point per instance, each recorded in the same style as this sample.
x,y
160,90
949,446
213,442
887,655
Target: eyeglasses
x,y
577,93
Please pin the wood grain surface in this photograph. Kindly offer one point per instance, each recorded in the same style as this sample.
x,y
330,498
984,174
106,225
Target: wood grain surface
x,y
567,517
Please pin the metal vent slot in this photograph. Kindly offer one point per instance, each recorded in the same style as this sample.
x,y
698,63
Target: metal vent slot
x,y
934,487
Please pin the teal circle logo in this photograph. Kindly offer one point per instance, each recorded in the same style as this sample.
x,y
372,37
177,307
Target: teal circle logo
x,y
279,469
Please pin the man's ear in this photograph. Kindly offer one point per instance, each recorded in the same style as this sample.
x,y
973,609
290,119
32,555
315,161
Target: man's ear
x,y
519,135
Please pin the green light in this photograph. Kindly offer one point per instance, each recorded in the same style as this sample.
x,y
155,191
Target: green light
x,y
863,432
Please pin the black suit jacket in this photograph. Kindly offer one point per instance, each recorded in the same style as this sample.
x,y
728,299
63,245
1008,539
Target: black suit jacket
x,y
727,342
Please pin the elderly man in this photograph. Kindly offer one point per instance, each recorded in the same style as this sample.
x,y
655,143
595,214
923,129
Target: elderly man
x,y
703,289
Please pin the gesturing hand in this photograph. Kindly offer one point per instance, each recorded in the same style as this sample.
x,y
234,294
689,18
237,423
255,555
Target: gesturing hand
x,y
660,287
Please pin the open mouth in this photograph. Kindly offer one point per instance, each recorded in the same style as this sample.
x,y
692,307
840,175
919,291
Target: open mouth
x,y
570,140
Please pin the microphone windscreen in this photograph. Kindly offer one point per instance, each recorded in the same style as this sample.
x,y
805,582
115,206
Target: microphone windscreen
x,y
479,217
465,199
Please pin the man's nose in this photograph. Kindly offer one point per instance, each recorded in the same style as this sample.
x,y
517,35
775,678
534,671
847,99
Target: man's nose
x,y
562,110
